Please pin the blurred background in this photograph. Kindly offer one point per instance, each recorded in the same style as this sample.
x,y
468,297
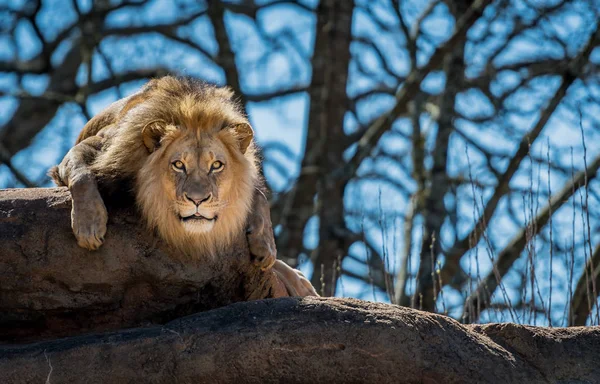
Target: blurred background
x,y
434,154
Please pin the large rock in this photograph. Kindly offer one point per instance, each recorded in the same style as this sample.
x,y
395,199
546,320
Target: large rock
x,y
50,287
312,340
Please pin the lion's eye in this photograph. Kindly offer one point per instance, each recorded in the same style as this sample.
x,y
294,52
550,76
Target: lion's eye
x,y
179,166
216,166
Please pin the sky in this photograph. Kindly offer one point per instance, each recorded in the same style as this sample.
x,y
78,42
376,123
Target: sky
x,y
280,124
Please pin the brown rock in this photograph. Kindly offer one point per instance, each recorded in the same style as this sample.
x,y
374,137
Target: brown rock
x,y
52,288
312,340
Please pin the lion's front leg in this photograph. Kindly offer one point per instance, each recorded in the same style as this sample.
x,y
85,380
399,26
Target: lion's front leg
x,y
88,214
261,240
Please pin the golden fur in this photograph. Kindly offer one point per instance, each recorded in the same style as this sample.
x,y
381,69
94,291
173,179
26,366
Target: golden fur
x,y
155,194
178,119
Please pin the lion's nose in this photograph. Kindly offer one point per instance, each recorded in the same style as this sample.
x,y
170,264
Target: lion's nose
x,y
197,198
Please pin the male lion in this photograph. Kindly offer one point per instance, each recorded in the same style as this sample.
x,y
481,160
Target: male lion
x,y
187,151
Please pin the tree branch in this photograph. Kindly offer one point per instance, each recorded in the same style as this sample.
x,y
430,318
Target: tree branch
x,y
505,259
413,81
472,239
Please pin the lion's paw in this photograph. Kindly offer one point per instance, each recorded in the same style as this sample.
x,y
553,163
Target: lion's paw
x,y
304,287
88,219
296,284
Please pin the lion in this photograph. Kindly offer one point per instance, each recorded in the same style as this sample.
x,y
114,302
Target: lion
x,y
187,152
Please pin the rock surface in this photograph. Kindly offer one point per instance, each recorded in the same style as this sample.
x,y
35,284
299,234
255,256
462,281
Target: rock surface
x,y
52,288
312,340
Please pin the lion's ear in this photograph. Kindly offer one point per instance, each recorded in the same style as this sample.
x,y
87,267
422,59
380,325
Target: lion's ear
x,y
152,133
244,134
225,92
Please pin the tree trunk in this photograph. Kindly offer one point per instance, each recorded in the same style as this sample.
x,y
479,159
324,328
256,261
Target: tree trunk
x,y
434,211
52,288
312,340
328,107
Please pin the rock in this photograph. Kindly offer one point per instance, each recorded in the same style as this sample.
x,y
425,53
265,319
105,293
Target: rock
x,y
52,288
312,340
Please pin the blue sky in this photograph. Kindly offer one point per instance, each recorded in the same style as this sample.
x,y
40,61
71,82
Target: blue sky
x,y
282,122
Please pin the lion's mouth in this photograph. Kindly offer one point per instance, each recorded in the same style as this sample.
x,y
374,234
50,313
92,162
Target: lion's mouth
x,y
198,217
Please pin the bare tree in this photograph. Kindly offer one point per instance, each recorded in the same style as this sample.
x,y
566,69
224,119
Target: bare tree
x,y
447,159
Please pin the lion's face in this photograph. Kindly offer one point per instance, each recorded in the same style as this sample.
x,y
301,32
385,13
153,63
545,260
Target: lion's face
x,y
201,175
196,188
